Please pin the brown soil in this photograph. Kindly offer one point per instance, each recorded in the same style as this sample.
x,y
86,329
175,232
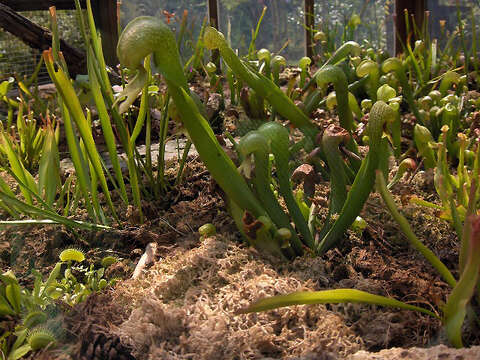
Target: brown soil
x,y
183,307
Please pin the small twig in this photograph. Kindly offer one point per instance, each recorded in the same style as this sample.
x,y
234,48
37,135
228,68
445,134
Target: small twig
x,y
147,259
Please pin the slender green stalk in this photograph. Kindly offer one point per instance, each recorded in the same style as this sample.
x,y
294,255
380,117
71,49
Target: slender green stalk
x,y
279,141
106,126
405,227
395,65
257,144
66,90
145,35
335,75
462,39
380,115
474,41
263,86
251,47
456,307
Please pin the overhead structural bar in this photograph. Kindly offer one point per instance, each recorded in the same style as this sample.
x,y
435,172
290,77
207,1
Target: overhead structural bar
x,y
39,37
309,11
213,20
104,11
416,12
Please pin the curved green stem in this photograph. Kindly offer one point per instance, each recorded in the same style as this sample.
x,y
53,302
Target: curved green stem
x,y
261,84
370,68
395,65
406,165
335,75
255,143
456,306
332,138
407,230
279,141
145,35
364,181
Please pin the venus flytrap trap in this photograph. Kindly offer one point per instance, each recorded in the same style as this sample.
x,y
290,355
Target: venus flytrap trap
x,y
35,329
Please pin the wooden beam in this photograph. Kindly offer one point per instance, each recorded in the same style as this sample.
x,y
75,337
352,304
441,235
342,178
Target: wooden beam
x,y
309,11
33,5
213,20
105,13
39,38
416,10
106,19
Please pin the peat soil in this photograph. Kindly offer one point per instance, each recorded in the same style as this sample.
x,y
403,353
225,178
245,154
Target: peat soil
x,y
183,307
